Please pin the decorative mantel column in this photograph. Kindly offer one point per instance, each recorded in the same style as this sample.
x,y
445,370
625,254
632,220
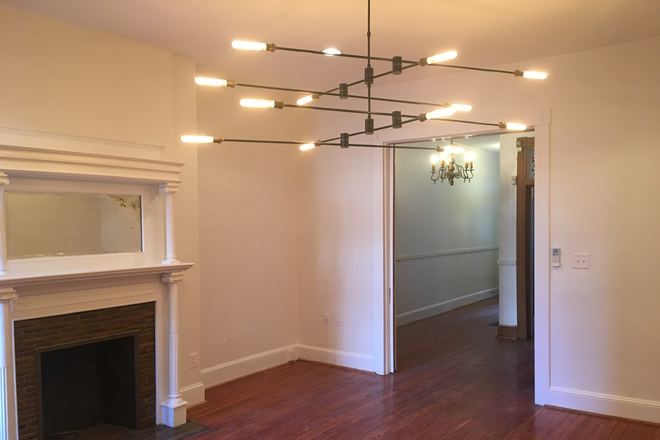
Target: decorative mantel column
x,y
4,181
7,403
169,189
174,409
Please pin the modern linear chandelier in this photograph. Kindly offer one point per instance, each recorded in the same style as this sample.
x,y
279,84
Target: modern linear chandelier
x,y
398,118
449,169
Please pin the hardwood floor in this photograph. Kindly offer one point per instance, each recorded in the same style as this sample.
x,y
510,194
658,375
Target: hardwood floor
x,y
455,381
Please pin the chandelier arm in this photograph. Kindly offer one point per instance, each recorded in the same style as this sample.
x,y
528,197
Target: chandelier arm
x,y
329,93
479,69
345,55
333,144
343,110
376,129
263,141
490,124
392,71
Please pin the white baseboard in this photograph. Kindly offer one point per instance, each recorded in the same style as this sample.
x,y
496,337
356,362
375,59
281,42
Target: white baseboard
x,y
335,357
617,406
445,306
193,394
262,361
248,365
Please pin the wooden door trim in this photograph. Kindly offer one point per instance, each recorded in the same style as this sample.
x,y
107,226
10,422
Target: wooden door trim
x,y
524,269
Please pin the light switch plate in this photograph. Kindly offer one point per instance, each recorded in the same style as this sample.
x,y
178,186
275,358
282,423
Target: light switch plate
x,y
580,261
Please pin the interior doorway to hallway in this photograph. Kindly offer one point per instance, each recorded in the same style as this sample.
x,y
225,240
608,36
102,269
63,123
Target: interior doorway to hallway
x,y
455,245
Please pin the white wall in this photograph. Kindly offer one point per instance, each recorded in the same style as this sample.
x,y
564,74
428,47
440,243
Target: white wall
x,y
603,321
70,88
248,232
446,236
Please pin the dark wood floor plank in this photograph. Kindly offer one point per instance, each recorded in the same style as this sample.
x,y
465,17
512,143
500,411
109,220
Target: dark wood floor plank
x,y
456,381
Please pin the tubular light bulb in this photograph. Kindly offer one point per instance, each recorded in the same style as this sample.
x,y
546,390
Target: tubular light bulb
x,y
439,58
434,159
513,126
331,52
535,75
307,99
469,157
211,82
441,113
197,139
307,146
257,103
248,45
461,107
443,157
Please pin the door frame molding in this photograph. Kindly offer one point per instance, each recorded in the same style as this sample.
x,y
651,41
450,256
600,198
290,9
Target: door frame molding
x,y
524,240
540,122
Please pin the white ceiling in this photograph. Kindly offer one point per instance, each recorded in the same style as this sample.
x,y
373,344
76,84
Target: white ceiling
x,y
484,32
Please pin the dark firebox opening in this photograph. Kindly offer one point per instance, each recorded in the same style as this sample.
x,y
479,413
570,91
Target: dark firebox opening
x,y
88,383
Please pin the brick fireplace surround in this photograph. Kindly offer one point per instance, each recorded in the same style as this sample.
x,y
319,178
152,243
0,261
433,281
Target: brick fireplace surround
x,y
33,334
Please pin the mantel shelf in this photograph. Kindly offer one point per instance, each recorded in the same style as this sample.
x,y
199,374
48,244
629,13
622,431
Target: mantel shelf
x,y
9,281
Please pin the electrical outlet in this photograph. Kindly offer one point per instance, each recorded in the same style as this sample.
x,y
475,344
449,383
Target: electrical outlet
x,y
339,320
580,261
326,319
194,360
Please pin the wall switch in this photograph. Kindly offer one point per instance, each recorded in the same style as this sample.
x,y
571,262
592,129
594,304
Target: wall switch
x,y
556,257
514,180
580,261
339,320
326,319
194,360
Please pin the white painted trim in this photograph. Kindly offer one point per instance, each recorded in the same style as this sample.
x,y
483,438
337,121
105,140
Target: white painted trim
x,y
445,306
388,247
193,394
505,262
379,271
30,137
445,253
542,267
95,274
36,162
617,406
336,357
231,370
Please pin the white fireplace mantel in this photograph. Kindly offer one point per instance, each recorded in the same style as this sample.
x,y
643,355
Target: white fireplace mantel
x,y
46,167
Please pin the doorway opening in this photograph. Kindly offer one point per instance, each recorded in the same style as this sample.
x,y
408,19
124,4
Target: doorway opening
x,y
456,245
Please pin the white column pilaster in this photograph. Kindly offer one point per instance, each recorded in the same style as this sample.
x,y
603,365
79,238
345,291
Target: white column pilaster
x,y
4,181
169,189
8,427
174,409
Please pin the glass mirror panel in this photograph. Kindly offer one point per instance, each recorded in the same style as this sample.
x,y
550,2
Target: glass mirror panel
x,y
57,224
